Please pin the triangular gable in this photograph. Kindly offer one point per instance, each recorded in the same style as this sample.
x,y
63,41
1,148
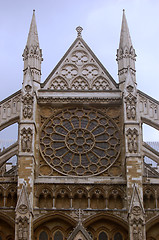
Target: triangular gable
x,y
23,205
79,233
136,204
130,86
79,69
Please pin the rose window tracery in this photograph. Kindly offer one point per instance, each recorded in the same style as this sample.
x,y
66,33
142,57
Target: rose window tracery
x,y
80,141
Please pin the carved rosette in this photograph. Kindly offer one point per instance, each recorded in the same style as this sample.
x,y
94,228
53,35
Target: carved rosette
x,y
132,140
26,140
23,209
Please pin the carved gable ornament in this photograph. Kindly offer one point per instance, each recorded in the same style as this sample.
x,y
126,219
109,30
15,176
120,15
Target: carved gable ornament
x,y
80,70
23,205
79,233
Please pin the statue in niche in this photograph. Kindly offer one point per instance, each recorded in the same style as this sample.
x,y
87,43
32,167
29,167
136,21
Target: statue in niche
x,y
23,229
26,141
130,106
132,138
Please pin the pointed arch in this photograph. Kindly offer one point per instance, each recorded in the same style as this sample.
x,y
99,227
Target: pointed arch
x,y
101,84
59,83
80,83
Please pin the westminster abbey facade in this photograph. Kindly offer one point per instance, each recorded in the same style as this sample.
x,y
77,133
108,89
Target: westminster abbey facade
x,y
81,172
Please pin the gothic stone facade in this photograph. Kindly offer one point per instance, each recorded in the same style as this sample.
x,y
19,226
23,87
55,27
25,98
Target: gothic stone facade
x,y
80,170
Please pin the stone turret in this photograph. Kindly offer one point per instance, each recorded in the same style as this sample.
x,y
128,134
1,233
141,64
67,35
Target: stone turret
x,y
32,55
126,56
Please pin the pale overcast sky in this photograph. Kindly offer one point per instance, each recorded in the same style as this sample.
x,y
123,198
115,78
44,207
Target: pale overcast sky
x,y
101,22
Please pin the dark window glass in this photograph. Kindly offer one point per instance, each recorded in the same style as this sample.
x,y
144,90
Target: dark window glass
x,y
103,236
118,236
43,236
58,236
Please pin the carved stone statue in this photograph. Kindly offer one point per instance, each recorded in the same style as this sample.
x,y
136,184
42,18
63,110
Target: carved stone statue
x,y
130,106
26,140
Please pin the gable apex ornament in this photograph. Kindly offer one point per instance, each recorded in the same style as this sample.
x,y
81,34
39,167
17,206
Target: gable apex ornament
x,y
79,30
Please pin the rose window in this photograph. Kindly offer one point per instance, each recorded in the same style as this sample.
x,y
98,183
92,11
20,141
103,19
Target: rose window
x,y
80,141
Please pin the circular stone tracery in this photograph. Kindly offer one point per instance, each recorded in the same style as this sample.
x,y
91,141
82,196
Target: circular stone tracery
x,y
80,141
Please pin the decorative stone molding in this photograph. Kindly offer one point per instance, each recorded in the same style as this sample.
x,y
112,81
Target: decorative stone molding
x,y
79,100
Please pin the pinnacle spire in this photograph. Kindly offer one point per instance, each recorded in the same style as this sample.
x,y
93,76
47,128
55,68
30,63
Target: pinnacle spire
x,y
126,55
33,33
32,55
125,39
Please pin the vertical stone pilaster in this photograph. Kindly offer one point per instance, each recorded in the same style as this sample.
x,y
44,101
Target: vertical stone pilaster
x,y
26,155
136,217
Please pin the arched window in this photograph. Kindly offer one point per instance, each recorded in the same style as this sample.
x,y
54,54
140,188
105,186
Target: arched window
x,y
58,235
118,236
103,236
43,236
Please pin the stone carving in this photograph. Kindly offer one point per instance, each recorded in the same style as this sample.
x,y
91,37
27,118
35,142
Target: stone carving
x,y
59,83
136,210
90,71
27,100
79,31
79,57
130,101
33,50
23,209
137,232
22,228
125,53
26,139
101,83
69,71
132,139
79,84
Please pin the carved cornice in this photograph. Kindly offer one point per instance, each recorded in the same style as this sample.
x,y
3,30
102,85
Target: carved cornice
x,y
44,100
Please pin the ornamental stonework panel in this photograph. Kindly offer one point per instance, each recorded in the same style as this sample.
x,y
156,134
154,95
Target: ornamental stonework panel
x,y
79,142
26,140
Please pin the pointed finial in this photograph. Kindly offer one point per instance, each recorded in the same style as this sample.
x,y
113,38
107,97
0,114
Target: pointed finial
x,y
125,39
79,30
33,33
